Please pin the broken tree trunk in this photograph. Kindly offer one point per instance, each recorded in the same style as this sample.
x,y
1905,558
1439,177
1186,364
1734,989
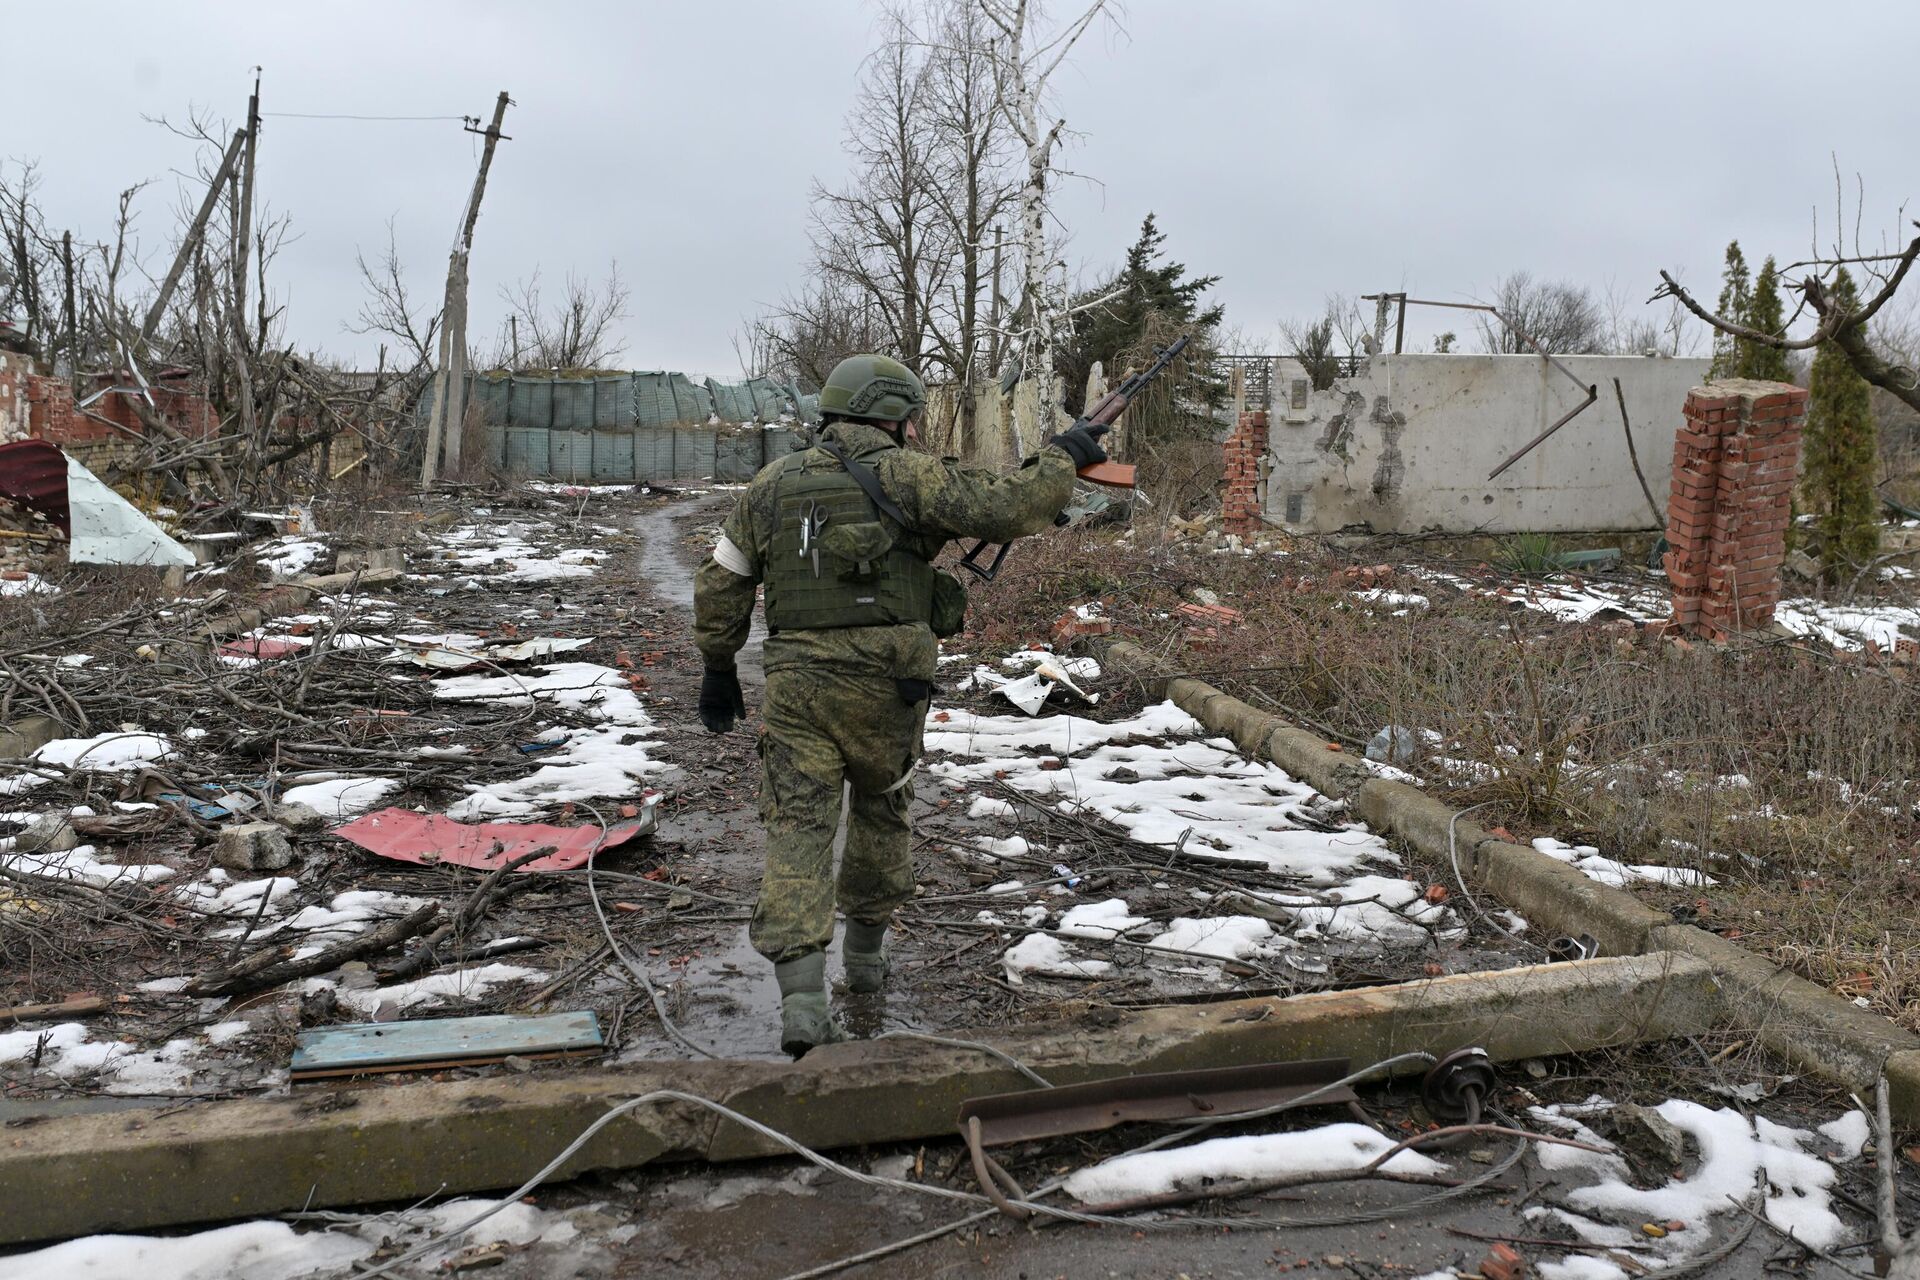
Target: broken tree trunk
x,y
191,240
448,417
271,967
428,955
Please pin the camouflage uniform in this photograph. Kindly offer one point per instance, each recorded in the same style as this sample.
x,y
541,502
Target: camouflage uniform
x,y
836,700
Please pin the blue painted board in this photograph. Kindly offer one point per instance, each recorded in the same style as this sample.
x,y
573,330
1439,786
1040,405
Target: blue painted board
x,y
373,1045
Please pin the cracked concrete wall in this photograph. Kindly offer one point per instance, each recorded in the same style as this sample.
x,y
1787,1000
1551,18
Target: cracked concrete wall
x,y
1405,445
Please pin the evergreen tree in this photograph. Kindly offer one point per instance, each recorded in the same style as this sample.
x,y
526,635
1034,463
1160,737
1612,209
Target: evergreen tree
x,y
1841,448
1765,313
1733,306
1152,292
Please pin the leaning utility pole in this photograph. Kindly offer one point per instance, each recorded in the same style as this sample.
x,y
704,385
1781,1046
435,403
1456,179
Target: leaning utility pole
x,y
242,241
448,417
191,240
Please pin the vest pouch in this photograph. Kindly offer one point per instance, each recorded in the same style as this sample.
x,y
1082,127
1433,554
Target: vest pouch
x,y
949,605
857,551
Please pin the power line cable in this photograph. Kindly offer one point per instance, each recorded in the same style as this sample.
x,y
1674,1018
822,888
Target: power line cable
x,y
314,115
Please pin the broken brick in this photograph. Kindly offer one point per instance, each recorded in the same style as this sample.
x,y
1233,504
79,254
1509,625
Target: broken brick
x,y
1211,613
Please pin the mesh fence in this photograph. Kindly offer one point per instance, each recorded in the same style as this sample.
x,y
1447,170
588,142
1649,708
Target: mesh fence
x,y
616,401
642,455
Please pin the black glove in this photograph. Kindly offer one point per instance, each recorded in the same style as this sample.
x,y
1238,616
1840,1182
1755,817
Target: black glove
x,y
721,702
1082,443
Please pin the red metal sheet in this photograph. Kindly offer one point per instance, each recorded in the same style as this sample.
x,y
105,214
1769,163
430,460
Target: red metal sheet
x,y
430,838
33,473
261,647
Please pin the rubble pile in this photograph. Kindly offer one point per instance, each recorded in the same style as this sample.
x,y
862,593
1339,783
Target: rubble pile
x,y
28,542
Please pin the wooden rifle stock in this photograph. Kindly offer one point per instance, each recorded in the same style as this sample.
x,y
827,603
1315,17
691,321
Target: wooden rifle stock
x,y
1115,475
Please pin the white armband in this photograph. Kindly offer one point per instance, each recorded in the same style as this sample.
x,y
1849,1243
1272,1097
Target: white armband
x,y
732,558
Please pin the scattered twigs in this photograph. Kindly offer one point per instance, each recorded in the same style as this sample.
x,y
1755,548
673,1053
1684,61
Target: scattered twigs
x,y
271,967
464,917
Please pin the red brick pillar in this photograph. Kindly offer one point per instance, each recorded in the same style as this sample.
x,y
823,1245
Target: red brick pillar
x,y
1246,450
1733,468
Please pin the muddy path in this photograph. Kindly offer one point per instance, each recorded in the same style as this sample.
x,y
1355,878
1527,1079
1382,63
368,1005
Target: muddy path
x,y
720,992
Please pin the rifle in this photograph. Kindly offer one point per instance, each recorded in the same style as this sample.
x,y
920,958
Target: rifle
x,y
1119,475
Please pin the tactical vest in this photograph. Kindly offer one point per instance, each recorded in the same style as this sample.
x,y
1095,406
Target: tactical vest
x,y
834,560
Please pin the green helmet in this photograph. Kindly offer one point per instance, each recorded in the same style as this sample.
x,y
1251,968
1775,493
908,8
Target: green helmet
x,y
879,388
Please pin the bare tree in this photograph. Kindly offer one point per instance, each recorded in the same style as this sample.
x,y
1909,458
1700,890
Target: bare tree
x,y
880,233
905,251
96,308
801,338
30,271
580,331
1327,346
1026,56
1561,318
973,191
1629,331
1851,329
390,312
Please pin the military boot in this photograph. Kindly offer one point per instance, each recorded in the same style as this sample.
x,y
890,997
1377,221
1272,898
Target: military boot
x,y
864,950
805,1018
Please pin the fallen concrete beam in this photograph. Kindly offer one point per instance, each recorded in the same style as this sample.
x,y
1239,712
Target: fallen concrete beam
x,y
1811,1028
130,1170
27,735
351,578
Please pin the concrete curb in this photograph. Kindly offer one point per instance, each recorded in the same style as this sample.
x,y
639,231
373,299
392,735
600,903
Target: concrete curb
x,y
138,1169
1815,1030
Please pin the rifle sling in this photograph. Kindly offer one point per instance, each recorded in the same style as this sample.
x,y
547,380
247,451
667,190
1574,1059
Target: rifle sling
x,y
863,476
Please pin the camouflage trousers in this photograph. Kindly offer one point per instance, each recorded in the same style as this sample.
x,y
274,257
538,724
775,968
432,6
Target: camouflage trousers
x,y
825,728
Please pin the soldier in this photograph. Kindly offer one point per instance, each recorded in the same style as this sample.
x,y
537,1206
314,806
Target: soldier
x,y
842,537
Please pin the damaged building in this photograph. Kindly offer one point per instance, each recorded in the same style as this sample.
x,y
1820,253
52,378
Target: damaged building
x,y
1409,443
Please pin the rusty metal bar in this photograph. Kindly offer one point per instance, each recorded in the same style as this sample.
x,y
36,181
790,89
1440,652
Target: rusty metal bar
x,y
1518,332
997,1119
1592,389
1593,394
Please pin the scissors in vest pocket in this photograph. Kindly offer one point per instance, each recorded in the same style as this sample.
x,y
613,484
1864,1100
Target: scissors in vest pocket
x,y
812,522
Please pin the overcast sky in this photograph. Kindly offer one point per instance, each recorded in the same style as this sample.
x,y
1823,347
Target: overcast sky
x,y
1292,148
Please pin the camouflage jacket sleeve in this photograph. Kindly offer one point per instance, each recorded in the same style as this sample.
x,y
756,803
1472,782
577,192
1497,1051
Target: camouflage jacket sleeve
x,y
947,500
725,585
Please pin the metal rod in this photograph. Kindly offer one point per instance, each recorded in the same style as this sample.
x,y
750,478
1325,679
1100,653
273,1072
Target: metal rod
x,y
1518,332
1633,456
1593,394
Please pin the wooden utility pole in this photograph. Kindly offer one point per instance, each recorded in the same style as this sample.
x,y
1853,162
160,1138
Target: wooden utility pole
x,y
191,240
448,419
73,315
242,240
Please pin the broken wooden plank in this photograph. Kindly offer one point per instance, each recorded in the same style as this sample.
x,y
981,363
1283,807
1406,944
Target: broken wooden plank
x,y
365,1047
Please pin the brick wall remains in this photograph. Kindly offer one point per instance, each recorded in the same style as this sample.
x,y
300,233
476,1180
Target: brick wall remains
x,y
1246,453
41,405
1734,461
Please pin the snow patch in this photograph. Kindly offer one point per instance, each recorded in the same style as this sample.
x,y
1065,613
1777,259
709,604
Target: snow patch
x,y
1045,956
1334,1148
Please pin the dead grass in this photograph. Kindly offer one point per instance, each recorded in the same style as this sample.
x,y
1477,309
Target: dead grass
x,y
1787,773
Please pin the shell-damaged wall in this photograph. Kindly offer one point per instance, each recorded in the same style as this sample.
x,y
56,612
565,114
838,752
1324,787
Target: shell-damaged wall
x,y
1406,444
